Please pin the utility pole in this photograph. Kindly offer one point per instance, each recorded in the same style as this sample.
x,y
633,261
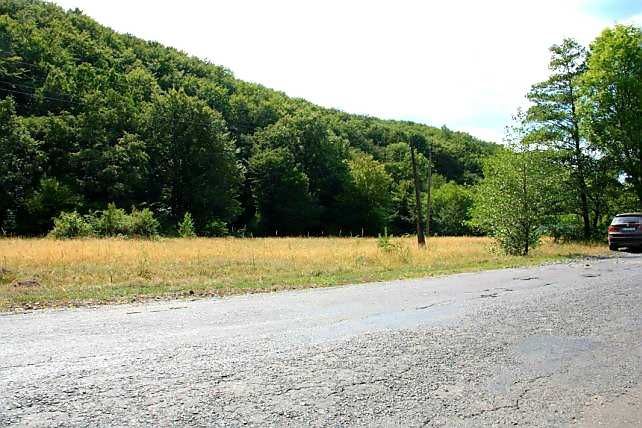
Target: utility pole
x,y
421,239
429,208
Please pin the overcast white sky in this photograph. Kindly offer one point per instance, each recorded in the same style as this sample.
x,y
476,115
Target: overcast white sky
x,y
462,63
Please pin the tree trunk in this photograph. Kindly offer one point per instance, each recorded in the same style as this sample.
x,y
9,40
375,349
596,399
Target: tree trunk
x,y
421,239
525,215
638,190
429,207
581,179
581,183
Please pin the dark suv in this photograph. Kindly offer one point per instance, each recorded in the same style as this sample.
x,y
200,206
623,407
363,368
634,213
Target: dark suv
x,y
626,231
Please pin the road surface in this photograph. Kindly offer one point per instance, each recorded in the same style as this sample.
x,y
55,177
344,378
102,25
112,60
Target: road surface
x,y
556,345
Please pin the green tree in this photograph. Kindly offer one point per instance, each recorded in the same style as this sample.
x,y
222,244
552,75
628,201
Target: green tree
x,y
193,167
555,122
281,192
126,169
318,153
366,201
452,204
20,163
121,119
519,192
612,107
397,162
186,227
49,199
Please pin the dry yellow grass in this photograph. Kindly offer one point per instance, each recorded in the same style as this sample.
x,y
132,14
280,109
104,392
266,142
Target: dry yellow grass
x,y
114,270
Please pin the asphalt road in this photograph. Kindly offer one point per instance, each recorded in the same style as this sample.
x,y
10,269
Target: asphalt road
x,y
555,345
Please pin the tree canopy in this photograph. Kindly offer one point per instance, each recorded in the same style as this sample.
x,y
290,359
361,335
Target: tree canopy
x,y
90,117
612,88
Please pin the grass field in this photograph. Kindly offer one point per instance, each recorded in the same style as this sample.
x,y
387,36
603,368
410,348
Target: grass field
x,y
38,273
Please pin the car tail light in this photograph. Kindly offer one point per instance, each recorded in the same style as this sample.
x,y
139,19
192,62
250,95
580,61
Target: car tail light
x,y
626,226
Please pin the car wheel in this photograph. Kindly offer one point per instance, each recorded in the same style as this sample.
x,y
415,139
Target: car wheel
x,y
613,247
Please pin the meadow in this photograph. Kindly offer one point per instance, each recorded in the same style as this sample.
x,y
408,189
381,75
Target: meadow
x,y
38,273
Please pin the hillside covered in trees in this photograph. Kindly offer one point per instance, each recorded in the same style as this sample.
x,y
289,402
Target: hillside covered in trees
x,y
90,117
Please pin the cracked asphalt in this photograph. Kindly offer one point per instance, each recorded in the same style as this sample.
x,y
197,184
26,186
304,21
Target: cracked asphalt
x,y
555,345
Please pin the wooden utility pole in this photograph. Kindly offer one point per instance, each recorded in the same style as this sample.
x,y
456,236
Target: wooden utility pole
x,y
421,239
429,208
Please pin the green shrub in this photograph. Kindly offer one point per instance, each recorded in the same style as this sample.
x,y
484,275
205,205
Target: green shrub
x,y
109,222
71,225
384,242
216,228
565,228
112,221
143,223
186,227
393,248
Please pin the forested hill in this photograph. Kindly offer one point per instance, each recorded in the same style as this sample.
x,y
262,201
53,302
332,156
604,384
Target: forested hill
x,y
89,116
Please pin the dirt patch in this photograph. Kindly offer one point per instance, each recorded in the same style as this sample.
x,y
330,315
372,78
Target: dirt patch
x,y
25,283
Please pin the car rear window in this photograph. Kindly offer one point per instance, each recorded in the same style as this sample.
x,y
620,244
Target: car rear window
x,y
624,220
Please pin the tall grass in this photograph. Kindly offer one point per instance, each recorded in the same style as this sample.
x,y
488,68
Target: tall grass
x,y
112,270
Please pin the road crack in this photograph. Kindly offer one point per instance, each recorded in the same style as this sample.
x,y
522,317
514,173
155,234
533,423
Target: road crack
x,y
516,403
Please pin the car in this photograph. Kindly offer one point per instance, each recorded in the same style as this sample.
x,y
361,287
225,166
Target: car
x,y
625,231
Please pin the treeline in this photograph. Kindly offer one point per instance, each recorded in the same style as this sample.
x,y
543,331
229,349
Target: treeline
x,y
575,155
90,117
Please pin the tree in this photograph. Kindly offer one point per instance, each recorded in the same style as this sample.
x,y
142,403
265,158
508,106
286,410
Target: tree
x,y
119,119
365,205
452,204
281,191
186,227
193,167
612,106
517,195
48,200
555,120
397,162
121,170
318,153
20,163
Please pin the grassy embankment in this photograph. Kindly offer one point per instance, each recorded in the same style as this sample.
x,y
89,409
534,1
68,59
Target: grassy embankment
x,y
92,271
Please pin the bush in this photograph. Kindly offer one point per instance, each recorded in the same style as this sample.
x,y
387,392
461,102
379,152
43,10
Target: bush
x,y
395,248
186,227
71,225
112,221
384,242
143,223
566,228
216,228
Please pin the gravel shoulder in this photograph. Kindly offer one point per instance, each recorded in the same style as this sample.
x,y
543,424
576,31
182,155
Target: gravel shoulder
x,y
554,345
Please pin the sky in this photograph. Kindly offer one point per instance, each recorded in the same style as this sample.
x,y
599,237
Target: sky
x,y
466,64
